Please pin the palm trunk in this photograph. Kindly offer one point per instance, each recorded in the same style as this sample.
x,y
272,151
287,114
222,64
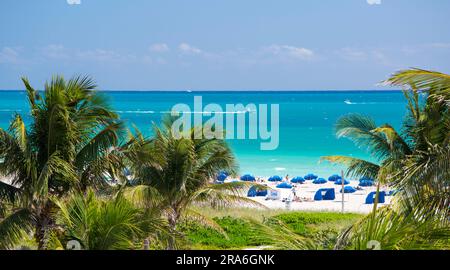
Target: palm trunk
x,y
44,224
173,220
41,231
374,210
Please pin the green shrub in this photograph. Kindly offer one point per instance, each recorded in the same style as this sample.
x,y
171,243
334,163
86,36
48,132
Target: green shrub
x,y
322,227
240,234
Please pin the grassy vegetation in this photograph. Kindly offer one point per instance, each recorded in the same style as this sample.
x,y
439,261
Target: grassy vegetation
x,y
322,227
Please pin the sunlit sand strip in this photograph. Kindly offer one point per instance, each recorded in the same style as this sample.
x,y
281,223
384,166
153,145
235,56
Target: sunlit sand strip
x,y
353,202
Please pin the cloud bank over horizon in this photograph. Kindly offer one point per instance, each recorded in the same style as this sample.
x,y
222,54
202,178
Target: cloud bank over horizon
x,y
74,2
374,2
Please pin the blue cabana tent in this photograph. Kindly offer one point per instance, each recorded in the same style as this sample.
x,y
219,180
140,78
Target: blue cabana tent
x,y
298,179
275,178
366,178
284,185
252,192
326,194
334,178
366,183
310,176
349,189
248,178
320,181
371,197
339,182
255,191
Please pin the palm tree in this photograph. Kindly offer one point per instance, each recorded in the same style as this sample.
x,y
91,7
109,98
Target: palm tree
x,y
385,145
425,175
70,144
417,163
176,173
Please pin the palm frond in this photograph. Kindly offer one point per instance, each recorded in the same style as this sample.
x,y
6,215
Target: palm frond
x,y
8,193
359,129
225,195
355,167
192,215
279,236
15,228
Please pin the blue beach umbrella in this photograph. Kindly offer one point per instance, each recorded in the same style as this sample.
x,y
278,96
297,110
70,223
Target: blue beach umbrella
x,y
366,183
275,178
319,181
310,176
297,179
221,177
248,178
348,189
334,178
339,182
284,185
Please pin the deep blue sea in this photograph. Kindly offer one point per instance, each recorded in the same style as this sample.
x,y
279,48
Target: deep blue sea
x,y
306,122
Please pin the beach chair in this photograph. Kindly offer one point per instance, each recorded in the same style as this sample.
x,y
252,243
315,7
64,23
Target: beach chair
x,y
325,194
261,193
273,195
371,197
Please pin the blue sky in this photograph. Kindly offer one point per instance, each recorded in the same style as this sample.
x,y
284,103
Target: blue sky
x,y
222,44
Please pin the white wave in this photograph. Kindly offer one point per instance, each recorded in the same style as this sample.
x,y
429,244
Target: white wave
x,y
205,112
279,169
347,101
143,112
9,110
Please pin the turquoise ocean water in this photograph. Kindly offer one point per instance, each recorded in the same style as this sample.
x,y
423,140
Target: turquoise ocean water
x,y
307,121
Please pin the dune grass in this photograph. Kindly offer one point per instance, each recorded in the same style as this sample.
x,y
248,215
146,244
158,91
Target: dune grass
x,y
322,227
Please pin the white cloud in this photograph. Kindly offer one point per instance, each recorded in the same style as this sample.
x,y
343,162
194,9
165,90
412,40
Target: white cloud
x,y
101,55
381,58
352,54
61,53
374,2
364,55
186,48
8,55
440,45
290,51
159,47
56,51
74,2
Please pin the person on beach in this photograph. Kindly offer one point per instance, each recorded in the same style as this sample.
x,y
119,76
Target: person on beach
x,y
294,192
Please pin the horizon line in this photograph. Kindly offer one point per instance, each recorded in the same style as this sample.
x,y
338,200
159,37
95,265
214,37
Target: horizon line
x,y
231,90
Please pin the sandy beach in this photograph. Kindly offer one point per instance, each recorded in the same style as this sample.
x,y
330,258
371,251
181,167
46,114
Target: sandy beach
x,y
353,202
